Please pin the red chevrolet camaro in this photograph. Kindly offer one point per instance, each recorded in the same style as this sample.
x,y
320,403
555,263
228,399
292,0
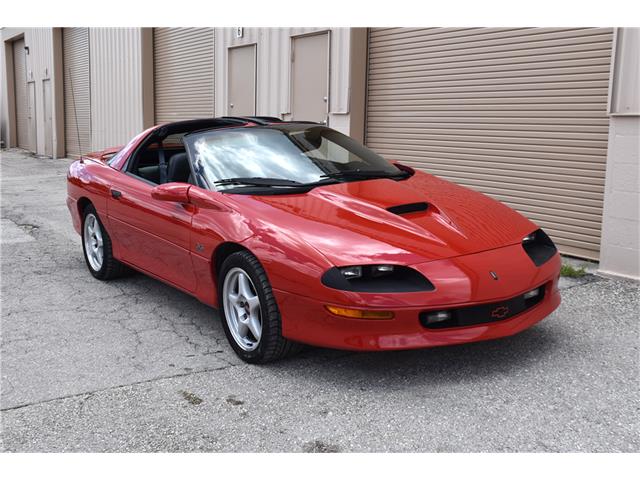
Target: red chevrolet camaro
x,y
301,235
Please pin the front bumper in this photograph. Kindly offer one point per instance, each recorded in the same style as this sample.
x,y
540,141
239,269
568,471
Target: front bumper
x,y
306,319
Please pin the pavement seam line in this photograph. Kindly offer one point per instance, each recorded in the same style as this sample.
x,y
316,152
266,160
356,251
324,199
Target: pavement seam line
x,y
115,387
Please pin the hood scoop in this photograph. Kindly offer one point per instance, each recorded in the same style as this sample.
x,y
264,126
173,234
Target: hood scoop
x,y
408,208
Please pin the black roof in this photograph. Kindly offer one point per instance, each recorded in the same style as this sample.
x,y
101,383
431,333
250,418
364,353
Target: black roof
x,y
260,120
217,122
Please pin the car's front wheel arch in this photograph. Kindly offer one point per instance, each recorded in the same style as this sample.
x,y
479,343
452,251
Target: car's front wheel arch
x,y
220,254
82,204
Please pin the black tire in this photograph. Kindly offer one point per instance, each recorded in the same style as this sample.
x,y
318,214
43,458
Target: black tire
x,y
272,345
111,268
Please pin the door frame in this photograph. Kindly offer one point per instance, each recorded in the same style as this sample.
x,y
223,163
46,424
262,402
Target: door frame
x,y
255,75
48,142
9,67
33,133
292,39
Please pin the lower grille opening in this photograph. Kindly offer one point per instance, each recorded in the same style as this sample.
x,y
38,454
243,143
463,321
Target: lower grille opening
x,y
483,313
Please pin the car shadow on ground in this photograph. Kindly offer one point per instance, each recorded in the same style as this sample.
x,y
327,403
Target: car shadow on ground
x,y
455,363
445,364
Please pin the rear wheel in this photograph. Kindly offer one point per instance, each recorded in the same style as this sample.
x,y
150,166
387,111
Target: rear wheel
x,y
249,311
96,245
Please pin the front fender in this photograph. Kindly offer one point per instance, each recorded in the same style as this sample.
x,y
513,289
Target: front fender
x,y
84,181
291,264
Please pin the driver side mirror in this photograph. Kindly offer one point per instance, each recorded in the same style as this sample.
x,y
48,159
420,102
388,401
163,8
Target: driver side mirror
x,y
172,192
187,193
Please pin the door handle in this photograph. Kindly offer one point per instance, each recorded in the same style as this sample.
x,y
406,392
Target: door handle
x,y
116,194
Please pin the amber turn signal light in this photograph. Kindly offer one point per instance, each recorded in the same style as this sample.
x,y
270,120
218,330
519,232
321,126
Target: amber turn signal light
x,y
361,314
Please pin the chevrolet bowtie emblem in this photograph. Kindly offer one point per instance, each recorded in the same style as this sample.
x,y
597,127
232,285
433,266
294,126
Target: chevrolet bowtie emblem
x,y
500,312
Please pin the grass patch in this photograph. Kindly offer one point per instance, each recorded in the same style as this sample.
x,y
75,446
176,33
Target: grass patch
x,y
572,272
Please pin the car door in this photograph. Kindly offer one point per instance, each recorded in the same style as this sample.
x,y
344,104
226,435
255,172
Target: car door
x,y
153,235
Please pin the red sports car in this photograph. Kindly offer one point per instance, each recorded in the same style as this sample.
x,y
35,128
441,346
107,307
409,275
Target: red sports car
x,y
301,235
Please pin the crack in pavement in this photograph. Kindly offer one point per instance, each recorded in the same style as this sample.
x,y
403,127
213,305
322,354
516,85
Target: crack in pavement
x,y
91,393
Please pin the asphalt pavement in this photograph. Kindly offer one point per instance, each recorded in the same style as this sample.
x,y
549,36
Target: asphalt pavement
x,y
135,365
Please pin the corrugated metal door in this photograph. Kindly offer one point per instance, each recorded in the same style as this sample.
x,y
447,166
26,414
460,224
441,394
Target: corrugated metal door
x,y
183,73
77,91
519,114
22,103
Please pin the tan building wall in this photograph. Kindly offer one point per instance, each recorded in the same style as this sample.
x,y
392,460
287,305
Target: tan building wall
x,y
620,252
273,72
121,66
122,97
43,63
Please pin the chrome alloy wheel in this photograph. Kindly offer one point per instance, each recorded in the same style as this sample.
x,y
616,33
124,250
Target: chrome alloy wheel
x,y
93,242
242,309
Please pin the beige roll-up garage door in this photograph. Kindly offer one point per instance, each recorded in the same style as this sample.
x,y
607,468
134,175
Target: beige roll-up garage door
x,y
77,91
22,104
183,66
519,114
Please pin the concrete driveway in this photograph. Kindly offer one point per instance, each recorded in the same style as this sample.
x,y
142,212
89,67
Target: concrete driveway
x,y
134,365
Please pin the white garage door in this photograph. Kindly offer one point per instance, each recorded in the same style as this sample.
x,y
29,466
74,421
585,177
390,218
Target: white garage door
x,y
519,114
183,66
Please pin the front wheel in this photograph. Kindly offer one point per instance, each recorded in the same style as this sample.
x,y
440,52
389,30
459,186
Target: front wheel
x,y
250,315
96,245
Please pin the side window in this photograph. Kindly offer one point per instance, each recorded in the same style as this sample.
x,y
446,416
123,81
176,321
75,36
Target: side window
x,y
162,161
147,163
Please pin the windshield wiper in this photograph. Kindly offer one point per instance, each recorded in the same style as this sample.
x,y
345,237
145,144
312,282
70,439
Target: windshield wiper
x,y
324,179
259,182
365,174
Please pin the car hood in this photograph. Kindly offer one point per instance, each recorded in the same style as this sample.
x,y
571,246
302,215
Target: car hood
x,y
349,222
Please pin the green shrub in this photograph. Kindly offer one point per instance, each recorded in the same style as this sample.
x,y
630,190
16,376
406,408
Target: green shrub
x,y
570,271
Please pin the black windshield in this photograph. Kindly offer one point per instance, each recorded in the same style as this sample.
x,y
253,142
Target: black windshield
x,y
287,155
